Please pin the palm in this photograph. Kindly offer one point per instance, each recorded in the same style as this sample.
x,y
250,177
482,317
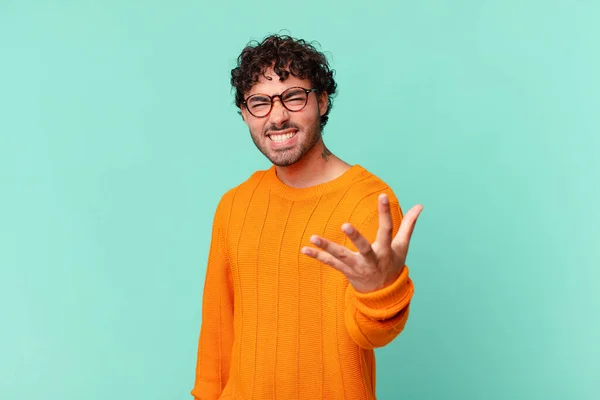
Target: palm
x,y
373,265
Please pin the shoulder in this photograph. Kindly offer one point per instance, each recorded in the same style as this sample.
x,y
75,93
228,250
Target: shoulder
x,y
365,192
237,193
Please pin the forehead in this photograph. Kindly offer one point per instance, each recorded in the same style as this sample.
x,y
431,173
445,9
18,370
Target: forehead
x,y
274,85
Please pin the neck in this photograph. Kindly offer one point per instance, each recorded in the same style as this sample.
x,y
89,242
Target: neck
x,y
317,166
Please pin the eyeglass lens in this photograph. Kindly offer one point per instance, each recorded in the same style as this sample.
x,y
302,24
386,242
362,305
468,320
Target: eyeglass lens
x,y
293,99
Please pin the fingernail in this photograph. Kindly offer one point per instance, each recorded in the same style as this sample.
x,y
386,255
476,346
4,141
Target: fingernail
x,y
384,199
347,228
315,240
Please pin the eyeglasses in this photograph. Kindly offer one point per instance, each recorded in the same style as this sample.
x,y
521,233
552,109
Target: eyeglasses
x,y
293,99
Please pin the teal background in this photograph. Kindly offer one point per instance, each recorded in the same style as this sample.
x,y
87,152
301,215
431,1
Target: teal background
x,y
118,135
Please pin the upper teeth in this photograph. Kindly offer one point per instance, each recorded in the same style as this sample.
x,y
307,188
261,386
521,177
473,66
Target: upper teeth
x,y
281,138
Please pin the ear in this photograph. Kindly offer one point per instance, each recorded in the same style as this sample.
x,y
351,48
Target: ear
x,y
323,103
244,113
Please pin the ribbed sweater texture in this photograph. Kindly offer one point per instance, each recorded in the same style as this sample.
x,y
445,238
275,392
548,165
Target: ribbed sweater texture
x,y
277,324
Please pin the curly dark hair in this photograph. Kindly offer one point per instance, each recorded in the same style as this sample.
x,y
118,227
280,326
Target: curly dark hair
x,y
287,55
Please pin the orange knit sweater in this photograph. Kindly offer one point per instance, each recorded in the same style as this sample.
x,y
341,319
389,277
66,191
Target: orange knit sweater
x,y
277,324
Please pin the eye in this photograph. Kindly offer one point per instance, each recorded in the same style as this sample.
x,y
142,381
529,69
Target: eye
x,y
259,101
295,97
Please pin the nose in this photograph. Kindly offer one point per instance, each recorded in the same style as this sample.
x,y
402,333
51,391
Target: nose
x,y
279,113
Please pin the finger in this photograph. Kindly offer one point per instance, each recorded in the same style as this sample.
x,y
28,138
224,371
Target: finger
x,y
402,239
386,225
362,244
341,253
328,259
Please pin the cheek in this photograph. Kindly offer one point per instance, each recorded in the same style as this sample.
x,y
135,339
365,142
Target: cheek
x,y
256,128
305,119
310,118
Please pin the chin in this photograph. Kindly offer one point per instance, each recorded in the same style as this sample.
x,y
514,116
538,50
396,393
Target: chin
x,y
285,161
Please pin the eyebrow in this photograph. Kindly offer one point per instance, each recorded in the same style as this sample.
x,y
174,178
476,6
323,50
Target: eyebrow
x,y
260,96
265,94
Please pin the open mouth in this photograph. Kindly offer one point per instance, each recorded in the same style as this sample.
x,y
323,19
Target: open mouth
x,y
282,137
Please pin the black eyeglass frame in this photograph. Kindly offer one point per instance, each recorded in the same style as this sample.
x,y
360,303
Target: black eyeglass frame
x,y
308,92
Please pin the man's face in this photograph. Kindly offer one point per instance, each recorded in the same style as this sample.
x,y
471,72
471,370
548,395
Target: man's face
x,y
271,133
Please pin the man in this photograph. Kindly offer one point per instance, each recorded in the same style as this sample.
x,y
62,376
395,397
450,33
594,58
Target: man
x,y
306,271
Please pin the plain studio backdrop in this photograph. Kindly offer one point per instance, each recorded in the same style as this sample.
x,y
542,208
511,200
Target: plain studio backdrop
x,y
118,135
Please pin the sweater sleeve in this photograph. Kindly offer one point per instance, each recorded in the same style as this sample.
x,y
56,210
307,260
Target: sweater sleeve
x,y
216,332
374,319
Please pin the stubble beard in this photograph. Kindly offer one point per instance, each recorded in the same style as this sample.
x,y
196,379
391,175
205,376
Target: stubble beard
x,y
289,156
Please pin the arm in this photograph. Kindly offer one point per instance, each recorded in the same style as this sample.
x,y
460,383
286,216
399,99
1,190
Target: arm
x,y
379,290
216,333
374,319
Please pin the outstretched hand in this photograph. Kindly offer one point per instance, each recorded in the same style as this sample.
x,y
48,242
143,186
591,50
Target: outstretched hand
x,y
373,266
